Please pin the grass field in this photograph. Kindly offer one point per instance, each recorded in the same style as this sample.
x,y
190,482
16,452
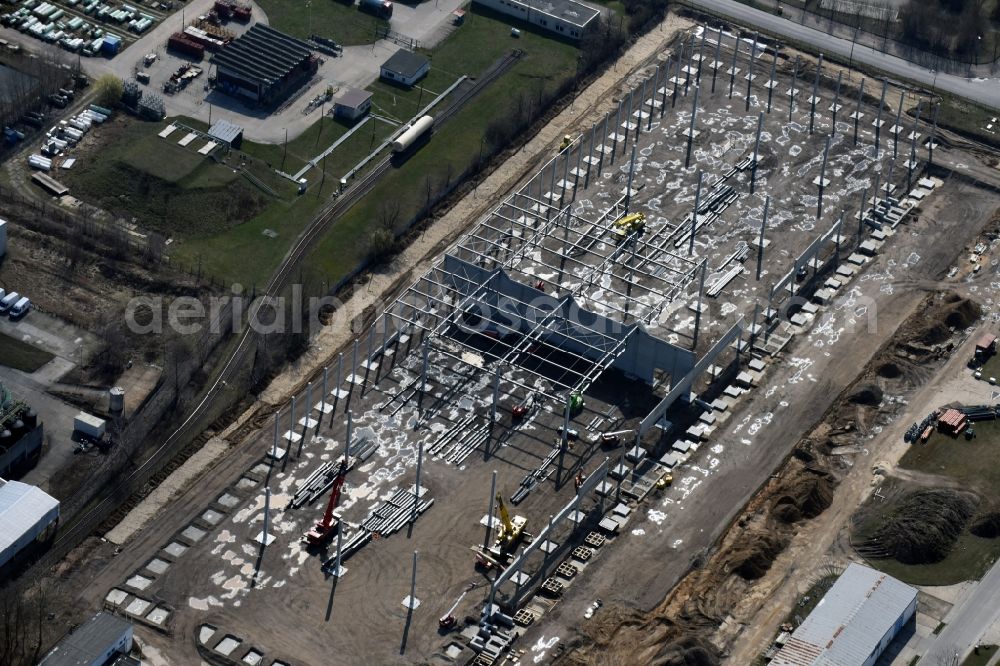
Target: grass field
x,y
20,355
986,653
171,189
334,19
968,118
975,465
481,41
218,219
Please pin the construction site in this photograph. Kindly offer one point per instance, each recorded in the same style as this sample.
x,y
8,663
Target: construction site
x,y
538,437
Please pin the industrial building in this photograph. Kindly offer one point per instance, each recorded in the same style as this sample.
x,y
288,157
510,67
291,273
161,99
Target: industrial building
x,y
405,67
853,623
103,640
20,434
226,132
263,65
567,18
352,104
26,513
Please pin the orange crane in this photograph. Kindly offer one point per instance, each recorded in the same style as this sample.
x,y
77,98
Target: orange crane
x,y
325,528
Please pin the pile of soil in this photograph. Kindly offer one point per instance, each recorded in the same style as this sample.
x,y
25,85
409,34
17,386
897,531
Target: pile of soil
x,y
867,394
689,652
806,495
889,371
921,526
986,525
954,313
754,558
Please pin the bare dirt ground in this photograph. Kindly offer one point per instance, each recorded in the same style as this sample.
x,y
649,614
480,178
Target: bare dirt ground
x,y
790,532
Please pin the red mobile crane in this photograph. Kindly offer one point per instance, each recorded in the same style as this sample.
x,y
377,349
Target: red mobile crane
x,y
325,528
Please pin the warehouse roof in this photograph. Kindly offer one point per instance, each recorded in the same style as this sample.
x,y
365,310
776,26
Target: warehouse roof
x,y
263,54
22,507
849,622
90,641
352,97
405,63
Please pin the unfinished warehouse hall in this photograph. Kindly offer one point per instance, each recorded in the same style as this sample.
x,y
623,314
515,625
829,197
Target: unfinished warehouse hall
x,y
264,65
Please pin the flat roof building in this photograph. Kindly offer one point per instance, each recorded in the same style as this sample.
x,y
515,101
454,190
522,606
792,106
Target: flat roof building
x,y
26,512
568,18
98,642
227,132
263,65
405,67
352,103
853,623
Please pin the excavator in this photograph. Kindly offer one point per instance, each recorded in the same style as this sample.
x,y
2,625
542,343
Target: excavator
x,y
509,535
324,529
627,225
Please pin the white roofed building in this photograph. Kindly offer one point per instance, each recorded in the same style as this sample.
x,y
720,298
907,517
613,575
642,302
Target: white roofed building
x,y
26,512
853,623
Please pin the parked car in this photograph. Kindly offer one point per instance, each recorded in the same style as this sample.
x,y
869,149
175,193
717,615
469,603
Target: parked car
x,y
20,308
7,302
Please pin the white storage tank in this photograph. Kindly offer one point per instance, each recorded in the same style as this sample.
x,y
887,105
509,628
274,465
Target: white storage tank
x,y
116,400
409,137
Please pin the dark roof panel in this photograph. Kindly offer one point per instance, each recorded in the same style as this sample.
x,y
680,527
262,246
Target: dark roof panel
x,y
405,63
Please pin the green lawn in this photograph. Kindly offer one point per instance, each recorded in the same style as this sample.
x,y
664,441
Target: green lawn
x,y
975,465
986,653
171,189
334,19
20,355
483,39
218,219
968,118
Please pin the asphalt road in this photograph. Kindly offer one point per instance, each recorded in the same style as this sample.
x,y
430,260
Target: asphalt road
x,y
968,621
983,90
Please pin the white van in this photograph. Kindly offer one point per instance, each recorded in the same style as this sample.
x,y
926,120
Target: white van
x,y
3,292
7,302
20,308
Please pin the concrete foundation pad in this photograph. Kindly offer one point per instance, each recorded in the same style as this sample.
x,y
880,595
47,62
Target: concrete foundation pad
x,y
264,539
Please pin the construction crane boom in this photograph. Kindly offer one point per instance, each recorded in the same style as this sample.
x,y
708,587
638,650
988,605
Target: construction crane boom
x,y
323,529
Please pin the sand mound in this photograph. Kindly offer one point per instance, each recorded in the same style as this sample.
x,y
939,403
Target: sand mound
x,y
920,527
986,525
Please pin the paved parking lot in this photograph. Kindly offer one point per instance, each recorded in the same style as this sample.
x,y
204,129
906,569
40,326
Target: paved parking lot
x,y
69,345
358,66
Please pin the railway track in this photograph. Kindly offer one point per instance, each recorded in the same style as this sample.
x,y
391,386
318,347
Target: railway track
x,y
82,525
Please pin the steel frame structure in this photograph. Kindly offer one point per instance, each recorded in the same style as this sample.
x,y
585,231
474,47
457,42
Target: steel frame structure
x,y
514,239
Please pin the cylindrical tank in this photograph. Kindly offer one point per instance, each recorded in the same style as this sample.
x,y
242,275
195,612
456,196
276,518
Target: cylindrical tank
x,y
416,130
116,400
6,440
30,419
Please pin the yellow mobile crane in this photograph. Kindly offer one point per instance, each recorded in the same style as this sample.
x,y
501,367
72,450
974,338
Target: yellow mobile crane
x,y
627,225
510,531
509,535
